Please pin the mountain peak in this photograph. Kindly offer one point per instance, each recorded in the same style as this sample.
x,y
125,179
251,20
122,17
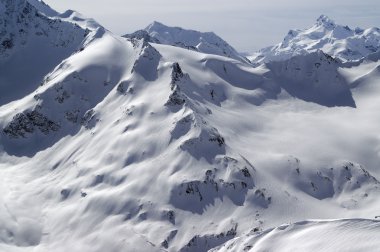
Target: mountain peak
x,y
337,40
13,7
205,42
325,21
42,7
156,25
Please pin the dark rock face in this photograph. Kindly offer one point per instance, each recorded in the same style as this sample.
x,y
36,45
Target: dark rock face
x,y
217,138
21,19
196,195
142,35
7,44
204,243
176,97
28,122
177,73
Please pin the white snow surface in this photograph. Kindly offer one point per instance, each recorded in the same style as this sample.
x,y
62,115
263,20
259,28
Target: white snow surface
x,y
341,42
205,42
127,145
354,235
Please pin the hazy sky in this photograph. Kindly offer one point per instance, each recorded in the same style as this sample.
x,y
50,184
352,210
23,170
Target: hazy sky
x,y
247,25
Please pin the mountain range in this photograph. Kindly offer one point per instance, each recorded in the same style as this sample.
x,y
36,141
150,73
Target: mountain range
x,y
341,42
168,139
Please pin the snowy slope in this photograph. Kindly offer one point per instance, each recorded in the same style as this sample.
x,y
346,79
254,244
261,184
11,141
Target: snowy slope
x,y
205,42
135,146
212,186
313,77
30,38
351,235
339,41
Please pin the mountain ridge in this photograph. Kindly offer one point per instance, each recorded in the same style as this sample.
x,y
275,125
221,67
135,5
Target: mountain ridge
x,y
206,42
131,144
341,42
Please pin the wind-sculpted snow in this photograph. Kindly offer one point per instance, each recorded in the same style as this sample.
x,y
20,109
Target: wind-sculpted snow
x,y
336,235
367,77
341,42
131,145
202,141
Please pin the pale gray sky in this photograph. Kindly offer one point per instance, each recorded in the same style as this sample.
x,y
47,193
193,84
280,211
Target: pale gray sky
x,y
247,25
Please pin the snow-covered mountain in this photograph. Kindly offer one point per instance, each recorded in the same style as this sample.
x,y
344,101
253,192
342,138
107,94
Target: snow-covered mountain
x,y
31,45
205,42
135,145
341,42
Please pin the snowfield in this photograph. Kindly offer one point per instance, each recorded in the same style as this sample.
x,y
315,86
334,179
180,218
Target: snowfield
x,y
133,144
338,235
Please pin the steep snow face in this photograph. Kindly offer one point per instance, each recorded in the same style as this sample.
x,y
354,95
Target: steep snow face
x,y
206,42
313,77
349,235
30,38
339,41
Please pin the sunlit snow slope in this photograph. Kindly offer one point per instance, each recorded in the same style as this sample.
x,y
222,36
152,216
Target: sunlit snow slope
x,y
341,42
127,145
330,236
205,42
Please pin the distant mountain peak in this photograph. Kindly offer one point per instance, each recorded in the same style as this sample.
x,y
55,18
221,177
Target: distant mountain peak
x,y
155,24
339,41
325,21
142,35
205,42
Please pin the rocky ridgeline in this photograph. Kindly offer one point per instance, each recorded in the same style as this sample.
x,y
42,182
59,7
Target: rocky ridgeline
x,y
148,59
205,42
341,42
348,180
178,78
225,176
141,35
204,243
20,21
